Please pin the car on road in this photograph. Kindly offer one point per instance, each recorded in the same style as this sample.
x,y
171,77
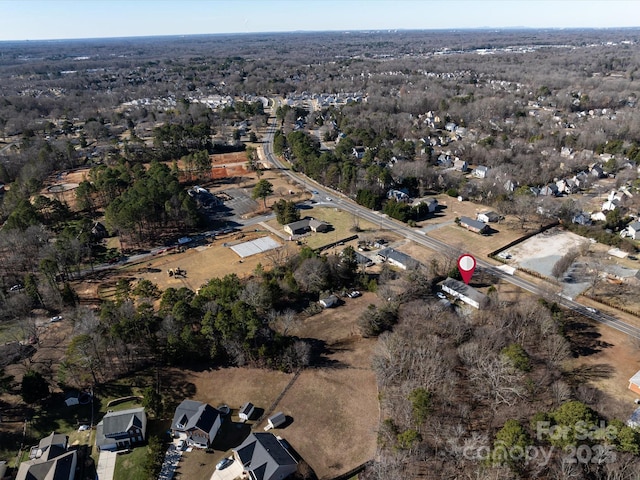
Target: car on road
x,y
315,192
224,463
55,319
329,199
592,310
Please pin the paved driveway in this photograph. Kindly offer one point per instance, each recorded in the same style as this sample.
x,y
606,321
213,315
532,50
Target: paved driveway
x,y
171,459
232,472
106,465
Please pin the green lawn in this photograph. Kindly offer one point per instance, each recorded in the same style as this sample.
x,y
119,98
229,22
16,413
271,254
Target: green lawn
x,y
129,465
54,416
341,222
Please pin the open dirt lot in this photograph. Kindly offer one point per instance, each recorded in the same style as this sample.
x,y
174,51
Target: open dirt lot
x,y
608,359
540,253
201,263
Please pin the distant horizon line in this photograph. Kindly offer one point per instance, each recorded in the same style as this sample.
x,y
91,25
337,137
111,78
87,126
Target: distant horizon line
x,y
343,31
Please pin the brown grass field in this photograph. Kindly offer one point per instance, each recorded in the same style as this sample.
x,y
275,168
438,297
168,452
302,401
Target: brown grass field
x,y
202,263
333,407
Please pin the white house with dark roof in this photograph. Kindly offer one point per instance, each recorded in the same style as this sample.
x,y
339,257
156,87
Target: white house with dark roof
x,y
597,171
487,217
398,259
634,230
460,165
481,171
50,460
246,411
122,429
550,190
358,152
464,292
264,457
198,422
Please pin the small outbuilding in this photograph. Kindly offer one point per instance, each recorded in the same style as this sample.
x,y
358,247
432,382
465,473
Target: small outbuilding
x,y
246,411
275,420
328,302
487,217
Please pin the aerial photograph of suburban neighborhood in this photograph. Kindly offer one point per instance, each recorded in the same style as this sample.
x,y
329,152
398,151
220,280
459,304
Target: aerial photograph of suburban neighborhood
x,y
319,240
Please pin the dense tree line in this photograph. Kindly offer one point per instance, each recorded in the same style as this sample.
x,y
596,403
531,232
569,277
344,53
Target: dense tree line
x,y
154,202
473,393
228,321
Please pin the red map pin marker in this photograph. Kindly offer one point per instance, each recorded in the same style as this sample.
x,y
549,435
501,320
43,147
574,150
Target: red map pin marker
x,y
466,266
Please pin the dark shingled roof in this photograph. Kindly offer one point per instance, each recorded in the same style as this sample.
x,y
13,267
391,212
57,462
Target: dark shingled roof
x,y
262,455
54,463
191,414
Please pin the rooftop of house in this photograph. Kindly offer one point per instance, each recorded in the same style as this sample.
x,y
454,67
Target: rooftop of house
x,y
400,257
464,289
263,454
192,414
470,222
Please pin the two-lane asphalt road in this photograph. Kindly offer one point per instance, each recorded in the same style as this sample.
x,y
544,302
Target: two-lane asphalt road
x,y
420,238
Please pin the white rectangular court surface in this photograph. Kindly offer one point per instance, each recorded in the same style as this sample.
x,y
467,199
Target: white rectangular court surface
x,y
259,245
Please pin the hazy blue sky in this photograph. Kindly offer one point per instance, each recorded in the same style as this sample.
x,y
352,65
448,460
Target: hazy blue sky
x,y
53,19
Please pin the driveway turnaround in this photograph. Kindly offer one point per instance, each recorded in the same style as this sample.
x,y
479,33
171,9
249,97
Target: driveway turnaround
x,y
232,472
106,465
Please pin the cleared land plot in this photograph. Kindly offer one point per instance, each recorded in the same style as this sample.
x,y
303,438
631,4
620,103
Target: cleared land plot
x,y
201,263
541,252
441,227
334,407
608,363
